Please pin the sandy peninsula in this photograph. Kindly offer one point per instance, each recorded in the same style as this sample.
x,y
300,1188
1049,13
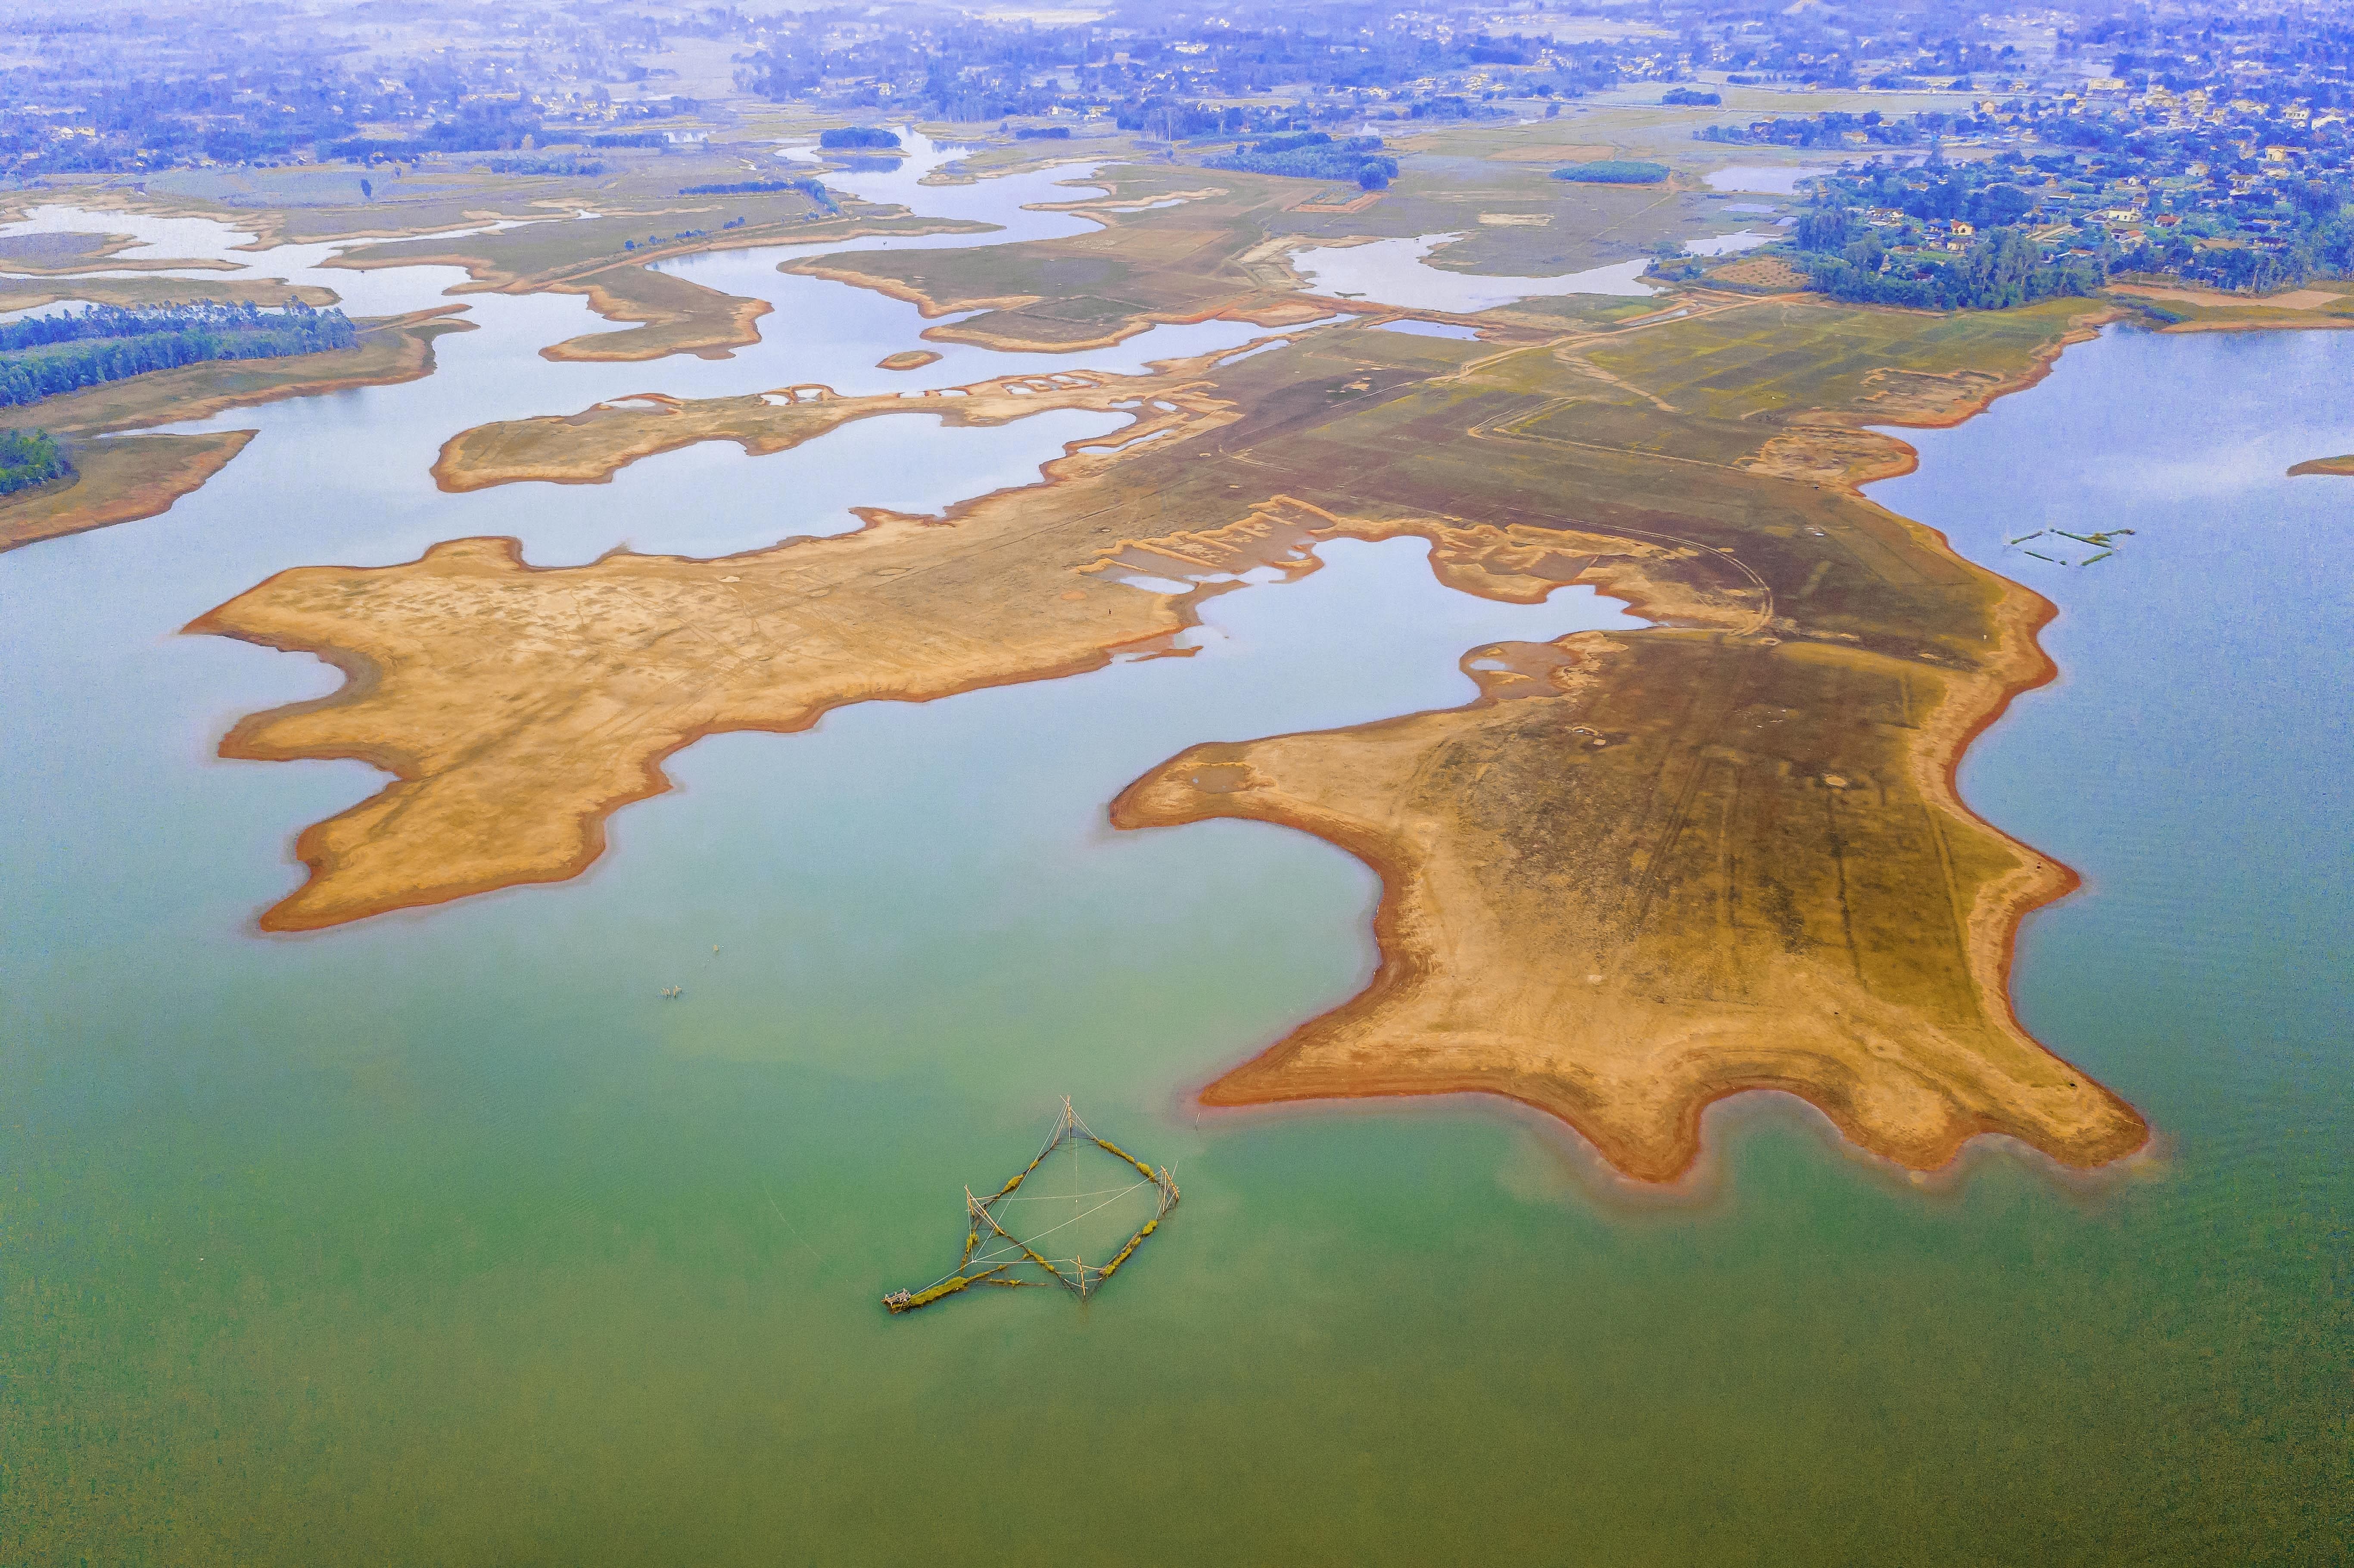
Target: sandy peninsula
x,y
2343,466
590,446
1640,873
390,350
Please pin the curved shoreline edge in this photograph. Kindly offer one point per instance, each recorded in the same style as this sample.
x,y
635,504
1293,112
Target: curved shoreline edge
x,y
122,478
1141,621
1271,1075
128,477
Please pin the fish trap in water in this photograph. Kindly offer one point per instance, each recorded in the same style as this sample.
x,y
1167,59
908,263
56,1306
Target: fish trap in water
x,y
1038,1227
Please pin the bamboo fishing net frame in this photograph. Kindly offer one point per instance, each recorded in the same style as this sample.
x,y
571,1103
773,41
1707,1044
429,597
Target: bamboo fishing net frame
x,y
986,1231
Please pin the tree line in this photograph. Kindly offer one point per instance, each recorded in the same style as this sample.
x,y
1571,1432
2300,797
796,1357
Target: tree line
x,y
1313,156
813,189
44,356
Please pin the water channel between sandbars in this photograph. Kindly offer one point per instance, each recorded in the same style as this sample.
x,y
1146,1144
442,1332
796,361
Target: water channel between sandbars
x,y
343,478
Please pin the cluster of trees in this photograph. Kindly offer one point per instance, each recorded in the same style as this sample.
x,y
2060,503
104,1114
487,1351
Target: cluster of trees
x,y
2238,224
1691,97
1170,120
564,165
2319,244
1453,106
508,130
1313,156
859,138
1834,128
1978,193
653,239
28,458
2000,270
43,356
811,188
487,126
1613,172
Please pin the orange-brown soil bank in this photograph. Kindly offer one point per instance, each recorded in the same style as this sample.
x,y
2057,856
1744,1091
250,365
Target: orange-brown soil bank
x,y
1645,870
120,480
25,293
395,349
1598,907
124,477
670,314
590,446
518,708
2343,466
667,314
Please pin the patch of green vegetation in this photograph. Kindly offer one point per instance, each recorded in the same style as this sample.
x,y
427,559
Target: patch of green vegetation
x,y
813,189
2064,221
1313,156
44,356
28,458
2000,270
567,164
1613,172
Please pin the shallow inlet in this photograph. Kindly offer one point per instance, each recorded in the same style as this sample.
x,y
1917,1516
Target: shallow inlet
x,y
1395,272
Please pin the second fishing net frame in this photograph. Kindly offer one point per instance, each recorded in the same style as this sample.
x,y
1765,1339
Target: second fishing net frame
x,y
999,1252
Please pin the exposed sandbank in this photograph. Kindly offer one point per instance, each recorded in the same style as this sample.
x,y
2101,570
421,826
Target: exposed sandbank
x,y
1642,871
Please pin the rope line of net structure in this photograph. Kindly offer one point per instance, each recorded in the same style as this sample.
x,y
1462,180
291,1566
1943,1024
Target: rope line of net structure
x,y
992,1254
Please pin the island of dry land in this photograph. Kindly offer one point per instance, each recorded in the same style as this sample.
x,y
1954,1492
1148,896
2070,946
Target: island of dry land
x,y
1642,871
2343,466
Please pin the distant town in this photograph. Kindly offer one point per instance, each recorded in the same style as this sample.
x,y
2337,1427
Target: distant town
x,y
2199,141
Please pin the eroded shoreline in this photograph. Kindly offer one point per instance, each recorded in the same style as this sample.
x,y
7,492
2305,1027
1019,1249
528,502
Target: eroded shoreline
x,y
2103,1130
124,477
1642,872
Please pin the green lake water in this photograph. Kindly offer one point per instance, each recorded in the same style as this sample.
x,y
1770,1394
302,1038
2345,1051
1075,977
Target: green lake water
x,y
444,1238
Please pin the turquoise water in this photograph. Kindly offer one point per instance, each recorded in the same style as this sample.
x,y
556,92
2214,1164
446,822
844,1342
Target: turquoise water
x,y
442,1237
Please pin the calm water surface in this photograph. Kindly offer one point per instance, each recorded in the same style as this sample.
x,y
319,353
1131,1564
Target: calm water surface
x,y
1765,179
1395,272
441,1237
